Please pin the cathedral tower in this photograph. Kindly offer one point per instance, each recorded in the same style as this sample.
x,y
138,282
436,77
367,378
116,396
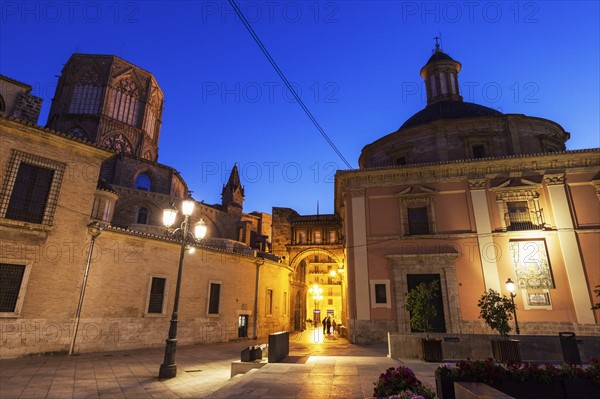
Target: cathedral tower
x,y
109,101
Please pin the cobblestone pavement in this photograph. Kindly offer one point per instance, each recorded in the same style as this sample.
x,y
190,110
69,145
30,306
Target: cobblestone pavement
x,y
317,367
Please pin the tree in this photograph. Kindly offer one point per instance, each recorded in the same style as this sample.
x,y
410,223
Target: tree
x,y
496,311
420,302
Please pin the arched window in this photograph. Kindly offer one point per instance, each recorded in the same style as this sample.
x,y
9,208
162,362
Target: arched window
x,y
86,95
124,103
142,182
142,216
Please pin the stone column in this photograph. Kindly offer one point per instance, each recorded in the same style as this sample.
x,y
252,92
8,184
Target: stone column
x,y
484,234
358,248
570,248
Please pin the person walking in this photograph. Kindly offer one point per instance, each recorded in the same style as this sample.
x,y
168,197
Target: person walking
x,y
333,326
328,325
324,324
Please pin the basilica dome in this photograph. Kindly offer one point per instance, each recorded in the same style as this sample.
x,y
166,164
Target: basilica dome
x,y
450,129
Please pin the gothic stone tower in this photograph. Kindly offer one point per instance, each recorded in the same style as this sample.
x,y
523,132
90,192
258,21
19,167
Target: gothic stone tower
x,y
232,196
106,100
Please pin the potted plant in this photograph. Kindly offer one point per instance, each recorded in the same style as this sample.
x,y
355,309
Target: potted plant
x,y
420,303
496,311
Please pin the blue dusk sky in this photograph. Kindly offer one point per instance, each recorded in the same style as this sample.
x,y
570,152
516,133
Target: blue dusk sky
x,y
355,64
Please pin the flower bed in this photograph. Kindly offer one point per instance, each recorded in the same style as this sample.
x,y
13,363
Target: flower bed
x,y
523,380
401,383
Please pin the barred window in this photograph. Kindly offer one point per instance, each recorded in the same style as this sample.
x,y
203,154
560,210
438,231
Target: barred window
x,y
519,216
11,278
31,188
85,99
214,300
157,295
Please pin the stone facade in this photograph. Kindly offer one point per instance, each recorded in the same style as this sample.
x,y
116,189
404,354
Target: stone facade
x,y
96,172
115,312
469,197
17,101
312,246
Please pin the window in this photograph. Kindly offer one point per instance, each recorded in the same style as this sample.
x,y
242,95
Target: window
x,y
85,99
478,151
380,294
31,188
332,237
142,216
519,216
123,103
142,182
269,302
330,301
301,237
30,193
214,301
417,221
11,279
317,237
157,295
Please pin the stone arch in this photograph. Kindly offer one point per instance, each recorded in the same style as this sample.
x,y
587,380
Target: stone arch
x,y
151,177
301,279
312,251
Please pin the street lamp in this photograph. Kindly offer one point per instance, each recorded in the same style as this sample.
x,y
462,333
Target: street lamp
x,y
316,292
169,369
510,286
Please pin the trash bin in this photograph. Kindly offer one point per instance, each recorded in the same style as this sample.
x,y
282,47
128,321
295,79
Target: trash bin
x,y
568,344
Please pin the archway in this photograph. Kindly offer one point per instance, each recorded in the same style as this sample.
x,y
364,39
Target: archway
x,y
318,266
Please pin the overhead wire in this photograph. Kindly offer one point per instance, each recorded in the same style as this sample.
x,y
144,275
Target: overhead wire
x,y
264,50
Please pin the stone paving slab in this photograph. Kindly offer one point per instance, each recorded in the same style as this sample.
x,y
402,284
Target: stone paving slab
x,y
318,367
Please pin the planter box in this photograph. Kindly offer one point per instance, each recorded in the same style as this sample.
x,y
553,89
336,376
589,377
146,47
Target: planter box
x,y
506,350
430,350
532,389
579,388
555,389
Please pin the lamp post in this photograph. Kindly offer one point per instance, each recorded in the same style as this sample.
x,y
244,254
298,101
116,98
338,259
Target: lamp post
x,y
95,229
510,286
316,292
169,369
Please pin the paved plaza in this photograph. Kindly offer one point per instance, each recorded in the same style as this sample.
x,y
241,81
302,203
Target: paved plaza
x,y
317,367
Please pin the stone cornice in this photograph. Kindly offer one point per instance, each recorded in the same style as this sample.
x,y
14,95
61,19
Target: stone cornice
x,y
570,161
554,179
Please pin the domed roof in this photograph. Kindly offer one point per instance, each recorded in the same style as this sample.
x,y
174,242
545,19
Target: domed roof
x,y
448,110
439,55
